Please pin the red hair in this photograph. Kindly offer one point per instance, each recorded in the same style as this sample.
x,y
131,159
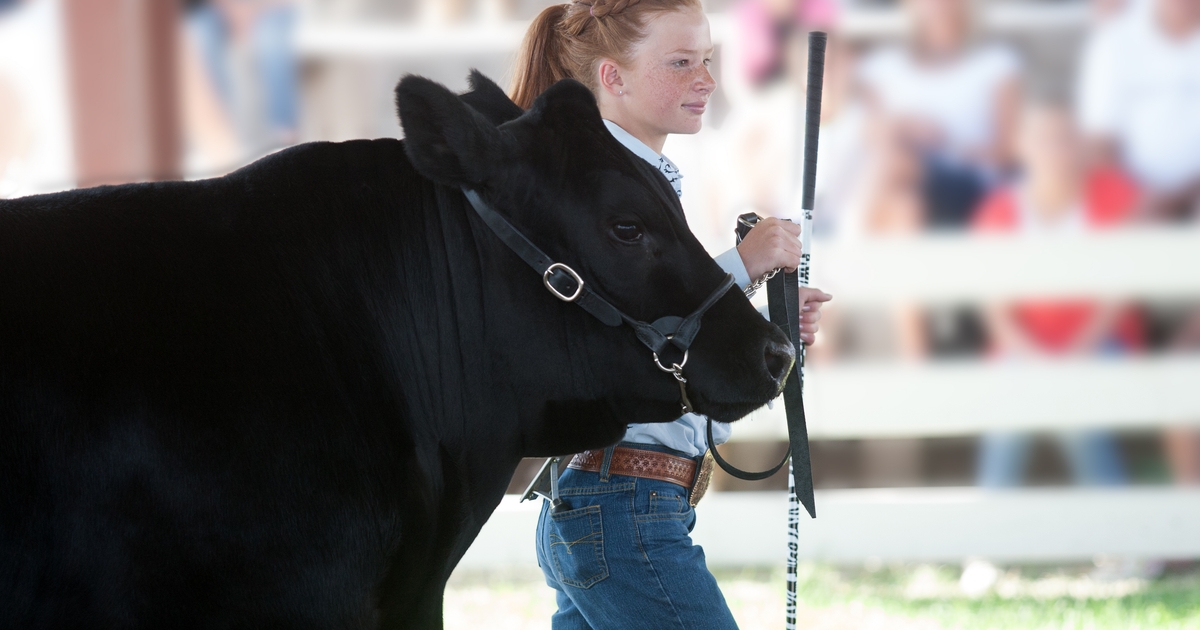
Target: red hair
x,y
566,41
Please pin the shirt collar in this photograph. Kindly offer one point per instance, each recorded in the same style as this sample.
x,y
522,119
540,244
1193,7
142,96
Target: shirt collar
x,y
638,147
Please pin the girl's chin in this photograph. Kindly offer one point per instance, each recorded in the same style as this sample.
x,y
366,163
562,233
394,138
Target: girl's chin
x,y
692,124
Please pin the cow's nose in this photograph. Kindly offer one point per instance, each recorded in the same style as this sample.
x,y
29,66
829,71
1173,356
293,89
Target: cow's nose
x,y
778,358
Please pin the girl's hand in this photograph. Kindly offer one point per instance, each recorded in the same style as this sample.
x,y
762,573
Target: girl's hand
x,y
770,244
811,300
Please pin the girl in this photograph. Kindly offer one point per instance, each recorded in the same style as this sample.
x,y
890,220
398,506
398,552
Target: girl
x,y
619,556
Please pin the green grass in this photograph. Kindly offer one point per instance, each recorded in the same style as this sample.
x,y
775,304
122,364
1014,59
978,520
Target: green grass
x,y
1024,597
901,597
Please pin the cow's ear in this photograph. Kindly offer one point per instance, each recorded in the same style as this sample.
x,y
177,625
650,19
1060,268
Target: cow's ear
x,y
446,140
568,107
488,99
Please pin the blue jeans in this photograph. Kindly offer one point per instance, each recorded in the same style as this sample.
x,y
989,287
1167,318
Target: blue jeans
x,y
1092,456
620,556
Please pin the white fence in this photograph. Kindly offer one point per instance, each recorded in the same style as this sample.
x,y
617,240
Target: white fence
x,y
965,397
1149,262
969,397
909,524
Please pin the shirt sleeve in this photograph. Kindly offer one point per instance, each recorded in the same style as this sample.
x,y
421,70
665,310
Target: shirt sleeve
x,y
731,262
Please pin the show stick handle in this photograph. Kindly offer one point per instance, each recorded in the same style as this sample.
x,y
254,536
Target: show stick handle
x,y
812,131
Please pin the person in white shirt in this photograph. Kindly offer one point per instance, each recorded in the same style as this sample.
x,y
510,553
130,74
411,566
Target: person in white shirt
x,y
949,99
1139,101
620,556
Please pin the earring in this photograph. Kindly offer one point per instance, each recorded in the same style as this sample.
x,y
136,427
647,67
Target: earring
x,y
620,92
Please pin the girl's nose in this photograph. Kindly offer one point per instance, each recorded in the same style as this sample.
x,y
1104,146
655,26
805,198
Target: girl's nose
x,y
705,83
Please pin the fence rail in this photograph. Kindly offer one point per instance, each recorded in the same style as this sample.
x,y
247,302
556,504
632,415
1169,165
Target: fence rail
x,y
969,397
909,524
1145,263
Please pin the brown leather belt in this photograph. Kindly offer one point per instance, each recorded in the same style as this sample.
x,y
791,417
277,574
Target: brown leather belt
x,y
635,462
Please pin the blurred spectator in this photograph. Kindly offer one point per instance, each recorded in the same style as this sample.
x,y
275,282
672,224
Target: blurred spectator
x,y
761,47
765,138
951,100
860,191
246,49
890,205
765,29
212,144
1139,100
1139,93
1105,10
1056,194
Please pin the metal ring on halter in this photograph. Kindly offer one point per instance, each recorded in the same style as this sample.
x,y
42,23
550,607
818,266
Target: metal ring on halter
x,y
571,272
676,368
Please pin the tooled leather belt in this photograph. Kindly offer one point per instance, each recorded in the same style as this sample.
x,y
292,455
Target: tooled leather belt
x,y
636,462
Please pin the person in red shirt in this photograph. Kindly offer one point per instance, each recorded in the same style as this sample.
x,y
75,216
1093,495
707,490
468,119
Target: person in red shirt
x,y
1056,194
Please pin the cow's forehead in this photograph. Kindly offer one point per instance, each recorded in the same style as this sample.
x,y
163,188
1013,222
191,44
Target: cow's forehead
x,y
596,167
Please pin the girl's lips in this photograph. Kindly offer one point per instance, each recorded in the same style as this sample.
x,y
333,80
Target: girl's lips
x,y
695,108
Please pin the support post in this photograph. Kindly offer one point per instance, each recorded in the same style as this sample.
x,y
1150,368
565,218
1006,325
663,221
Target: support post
x,y
122,58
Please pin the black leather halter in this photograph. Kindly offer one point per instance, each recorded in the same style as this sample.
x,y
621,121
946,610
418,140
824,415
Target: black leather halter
x,y
565,284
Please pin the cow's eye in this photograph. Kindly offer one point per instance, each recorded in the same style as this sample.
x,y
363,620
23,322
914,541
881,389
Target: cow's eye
x,y
627,232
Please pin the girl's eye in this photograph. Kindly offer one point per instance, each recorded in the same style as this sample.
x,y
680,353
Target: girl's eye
x,y
706,62
627,232
682,63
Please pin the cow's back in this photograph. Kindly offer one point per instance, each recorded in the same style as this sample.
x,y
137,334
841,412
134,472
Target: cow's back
x,y
182,365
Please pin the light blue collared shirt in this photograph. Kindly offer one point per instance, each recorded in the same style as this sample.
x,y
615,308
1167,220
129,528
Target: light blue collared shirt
x,y
686,434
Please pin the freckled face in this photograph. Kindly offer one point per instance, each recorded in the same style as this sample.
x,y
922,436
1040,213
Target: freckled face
x,y
668,85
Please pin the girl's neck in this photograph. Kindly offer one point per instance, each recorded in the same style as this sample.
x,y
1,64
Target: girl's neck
x,y
654,140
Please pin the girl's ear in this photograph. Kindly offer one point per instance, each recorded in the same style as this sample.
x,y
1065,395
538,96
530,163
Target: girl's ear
x,y
610,78
446,140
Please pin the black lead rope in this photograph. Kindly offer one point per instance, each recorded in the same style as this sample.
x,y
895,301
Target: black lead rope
x,y
783,305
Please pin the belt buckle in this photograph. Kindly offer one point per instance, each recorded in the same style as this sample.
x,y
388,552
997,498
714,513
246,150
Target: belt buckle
x,y
703,477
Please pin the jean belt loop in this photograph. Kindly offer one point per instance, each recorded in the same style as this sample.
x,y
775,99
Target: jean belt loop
x,y
608,455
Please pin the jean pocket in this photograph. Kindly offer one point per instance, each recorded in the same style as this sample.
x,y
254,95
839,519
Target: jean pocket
x,y
668,504
577,547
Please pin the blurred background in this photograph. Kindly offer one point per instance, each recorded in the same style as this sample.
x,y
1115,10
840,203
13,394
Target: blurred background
x,y
1005,398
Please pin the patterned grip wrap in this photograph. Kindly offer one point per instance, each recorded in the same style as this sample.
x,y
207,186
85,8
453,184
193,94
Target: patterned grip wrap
x,y
812,124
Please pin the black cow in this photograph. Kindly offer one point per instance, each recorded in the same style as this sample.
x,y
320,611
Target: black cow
x,y
292,395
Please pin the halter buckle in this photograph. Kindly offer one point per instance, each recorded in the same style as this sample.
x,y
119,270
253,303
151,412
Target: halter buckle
x,y
574,276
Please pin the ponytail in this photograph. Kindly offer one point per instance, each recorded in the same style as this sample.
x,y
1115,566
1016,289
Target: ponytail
x,y
539,62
